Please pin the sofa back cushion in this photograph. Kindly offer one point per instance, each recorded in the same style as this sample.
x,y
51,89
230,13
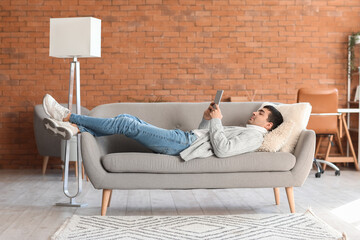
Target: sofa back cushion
x,y
185,116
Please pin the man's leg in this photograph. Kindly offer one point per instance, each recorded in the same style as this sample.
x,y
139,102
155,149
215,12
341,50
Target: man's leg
x,y
160,140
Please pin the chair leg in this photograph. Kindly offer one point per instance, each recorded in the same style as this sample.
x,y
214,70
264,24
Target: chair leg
x,y
277,196
105,200
318,145
82,170
290,197
319,169
339,143
76,169
329,164
45,162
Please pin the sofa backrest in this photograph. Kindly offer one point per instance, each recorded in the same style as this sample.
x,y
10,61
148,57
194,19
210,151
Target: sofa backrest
x,y
168,115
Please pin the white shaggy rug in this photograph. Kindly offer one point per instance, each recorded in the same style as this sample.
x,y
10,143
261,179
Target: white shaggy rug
x,y
249,226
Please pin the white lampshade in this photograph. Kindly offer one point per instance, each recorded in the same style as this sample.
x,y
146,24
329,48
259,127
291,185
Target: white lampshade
x,y
75,37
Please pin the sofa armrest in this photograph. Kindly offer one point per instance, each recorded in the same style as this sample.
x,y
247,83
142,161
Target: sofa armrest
x,y
91,156
304,153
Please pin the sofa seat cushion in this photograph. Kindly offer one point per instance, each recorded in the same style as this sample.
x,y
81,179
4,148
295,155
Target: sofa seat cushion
x,y
132,162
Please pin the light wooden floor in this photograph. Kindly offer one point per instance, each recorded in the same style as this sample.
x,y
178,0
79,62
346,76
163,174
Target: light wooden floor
x,y
27,202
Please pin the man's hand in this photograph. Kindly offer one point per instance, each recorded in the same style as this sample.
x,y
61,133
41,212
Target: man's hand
x,y
207,112
212,112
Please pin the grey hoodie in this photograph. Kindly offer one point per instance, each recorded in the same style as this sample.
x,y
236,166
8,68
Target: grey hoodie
x,y
223,141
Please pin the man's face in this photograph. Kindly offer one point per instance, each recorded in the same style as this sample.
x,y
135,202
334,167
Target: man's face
x,y
260,117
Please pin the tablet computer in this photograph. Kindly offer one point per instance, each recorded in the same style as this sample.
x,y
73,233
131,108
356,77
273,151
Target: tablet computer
x,y
218,96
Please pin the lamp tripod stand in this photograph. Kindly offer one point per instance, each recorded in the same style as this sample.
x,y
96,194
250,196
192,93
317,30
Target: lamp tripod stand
x,y
74,73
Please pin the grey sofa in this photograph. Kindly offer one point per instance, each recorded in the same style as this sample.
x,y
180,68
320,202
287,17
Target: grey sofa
x,y
116,162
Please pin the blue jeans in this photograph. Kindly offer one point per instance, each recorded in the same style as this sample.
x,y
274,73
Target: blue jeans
x,y
164,141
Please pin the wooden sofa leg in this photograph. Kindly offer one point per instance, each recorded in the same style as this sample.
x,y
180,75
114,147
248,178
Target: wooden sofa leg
x,y
290,197
105,200
109,199
45,162
277,196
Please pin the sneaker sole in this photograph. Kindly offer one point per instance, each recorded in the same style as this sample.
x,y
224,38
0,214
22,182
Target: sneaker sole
x,y
55,130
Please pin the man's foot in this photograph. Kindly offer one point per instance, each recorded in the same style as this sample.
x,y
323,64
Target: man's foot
x,y
61,129
54,109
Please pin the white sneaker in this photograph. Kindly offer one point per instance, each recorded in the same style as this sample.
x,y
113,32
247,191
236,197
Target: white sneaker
x,y
61,129
54,109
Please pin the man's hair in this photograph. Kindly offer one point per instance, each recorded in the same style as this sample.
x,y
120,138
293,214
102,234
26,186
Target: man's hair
x,y
274,117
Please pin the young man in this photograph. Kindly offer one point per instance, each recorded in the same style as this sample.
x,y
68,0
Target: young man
x,y
211,138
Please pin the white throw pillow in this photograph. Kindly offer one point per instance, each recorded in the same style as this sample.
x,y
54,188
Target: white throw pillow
x,y
299,113
275,139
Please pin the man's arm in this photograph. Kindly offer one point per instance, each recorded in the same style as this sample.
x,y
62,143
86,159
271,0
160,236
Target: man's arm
x,y
205,123
247,140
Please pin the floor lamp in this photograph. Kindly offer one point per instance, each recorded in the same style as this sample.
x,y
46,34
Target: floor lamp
x,y
74,38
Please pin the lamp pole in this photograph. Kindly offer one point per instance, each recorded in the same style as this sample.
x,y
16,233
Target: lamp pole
x,y
74,73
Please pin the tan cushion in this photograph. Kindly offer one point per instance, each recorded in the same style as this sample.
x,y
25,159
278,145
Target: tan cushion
x,y
277,138
299,113
159,163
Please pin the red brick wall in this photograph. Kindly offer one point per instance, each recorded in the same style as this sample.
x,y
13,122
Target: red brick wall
x,y
163,50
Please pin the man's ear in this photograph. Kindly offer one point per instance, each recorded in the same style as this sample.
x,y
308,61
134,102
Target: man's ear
x,y
269,125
